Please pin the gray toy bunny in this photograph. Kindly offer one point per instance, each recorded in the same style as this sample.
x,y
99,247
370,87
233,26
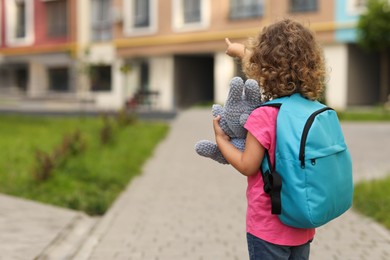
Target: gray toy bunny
x,y
241,101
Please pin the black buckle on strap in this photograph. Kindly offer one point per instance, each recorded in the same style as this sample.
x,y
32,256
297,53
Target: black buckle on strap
x,y
272,186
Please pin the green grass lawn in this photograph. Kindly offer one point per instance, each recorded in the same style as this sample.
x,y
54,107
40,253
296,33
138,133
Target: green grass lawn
x,y
368,114
87,181
371,198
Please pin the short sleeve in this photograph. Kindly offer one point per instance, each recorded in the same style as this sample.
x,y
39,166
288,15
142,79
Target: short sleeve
x,y
262,125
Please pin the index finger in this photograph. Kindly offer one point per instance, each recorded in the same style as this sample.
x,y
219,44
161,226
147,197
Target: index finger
x,y
227,41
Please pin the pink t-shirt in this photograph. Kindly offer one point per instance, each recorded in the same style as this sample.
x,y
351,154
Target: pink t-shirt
x,y
259,220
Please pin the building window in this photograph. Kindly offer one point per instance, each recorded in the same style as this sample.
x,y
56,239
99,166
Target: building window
x,y
356,7
141,13
191,11
101,21
100,78
140,16
20,27
190,14
242,9
59,79
303,5
57,18
21,78
19,22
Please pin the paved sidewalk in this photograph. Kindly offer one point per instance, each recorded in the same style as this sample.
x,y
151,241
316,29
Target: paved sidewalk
x,y
31,230
187,207
182,207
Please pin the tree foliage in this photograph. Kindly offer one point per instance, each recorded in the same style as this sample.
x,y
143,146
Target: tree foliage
x,y
374,26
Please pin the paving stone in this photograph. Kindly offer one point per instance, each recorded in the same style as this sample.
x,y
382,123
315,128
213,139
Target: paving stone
x,y
187,207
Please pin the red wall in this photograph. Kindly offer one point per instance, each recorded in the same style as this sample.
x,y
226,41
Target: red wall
x,y
40,38
40,26
2,24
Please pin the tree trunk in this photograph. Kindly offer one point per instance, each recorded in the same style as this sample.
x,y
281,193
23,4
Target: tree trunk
x,y
384,77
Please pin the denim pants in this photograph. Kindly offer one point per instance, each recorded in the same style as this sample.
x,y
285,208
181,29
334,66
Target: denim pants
x,y
262,250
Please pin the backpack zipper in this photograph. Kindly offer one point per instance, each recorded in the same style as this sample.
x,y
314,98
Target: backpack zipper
x,y
305,132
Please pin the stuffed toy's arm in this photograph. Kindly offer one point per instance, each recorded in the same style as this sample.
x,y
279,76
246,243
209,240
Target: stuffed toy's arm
x,y
209,149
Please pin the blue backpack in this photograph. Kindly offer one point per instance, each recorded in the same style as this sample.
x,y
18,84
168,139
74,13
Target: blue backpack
x,y
311,181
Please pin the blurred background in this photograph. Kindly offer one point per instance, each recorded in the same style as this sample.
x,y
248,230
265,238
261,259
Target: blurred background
x,y
160,57
165,55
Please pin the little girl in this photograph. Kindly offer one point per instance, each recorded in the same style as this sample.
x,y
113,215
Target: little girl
x,y
284,59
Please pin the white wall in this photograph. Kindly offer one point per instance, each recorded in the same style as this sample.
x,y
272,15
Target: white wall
x,y
161,79
83,34
83,25
38,80
336,57
224,69
132,80
95,54
114,99
105,54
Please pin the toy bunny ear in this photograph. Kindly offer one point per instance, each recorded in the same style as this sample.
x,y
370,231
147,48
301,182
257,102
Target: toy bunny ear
x,y
236,91
252,91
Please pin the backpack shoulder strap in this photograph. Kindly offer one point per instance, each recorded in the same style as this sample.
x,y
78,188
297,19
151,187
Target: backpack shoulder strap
x,y
277,102
272,184
271,179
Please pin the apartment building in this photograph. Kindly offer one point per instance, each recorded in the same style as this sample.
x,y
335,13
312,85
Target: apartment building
x,y
58,52
36,46
169,52
178,46
356,69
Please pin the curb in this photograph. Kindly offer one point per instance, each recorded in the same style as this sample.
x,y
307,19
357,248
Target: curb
x,y
99,230
68,241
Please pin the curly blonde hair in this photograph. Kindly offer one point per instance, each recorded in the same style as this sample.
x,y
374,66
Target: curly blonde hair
x,y
285,59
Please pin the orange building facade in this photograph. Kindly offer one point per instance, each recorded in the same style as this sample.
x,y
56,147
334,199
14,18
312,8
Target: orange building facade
x,y
105,53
